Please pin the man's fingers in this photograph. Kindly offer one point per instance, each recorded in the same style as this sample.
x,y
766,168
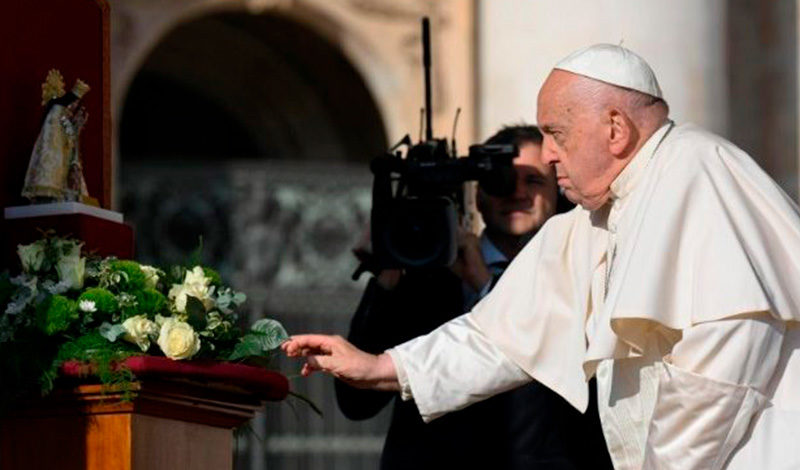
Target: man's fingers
x,y
303,345
306,370
315,363
330,354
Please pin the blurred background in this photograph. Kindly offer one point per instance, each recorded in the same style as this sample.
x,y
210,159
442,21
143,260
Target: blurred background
x,y
252,124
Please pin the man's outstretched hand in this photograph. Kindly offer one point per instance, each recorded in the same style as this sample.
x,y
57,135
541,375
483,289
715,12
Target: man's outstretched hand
x,y
336,356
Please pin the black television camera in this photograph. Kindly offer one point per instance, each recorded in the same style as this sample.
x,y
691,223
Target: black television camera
x,y
416,200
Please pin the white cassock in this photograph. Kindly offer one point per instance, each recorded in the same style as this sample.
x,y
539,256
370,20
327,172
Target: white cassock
x,y
682,296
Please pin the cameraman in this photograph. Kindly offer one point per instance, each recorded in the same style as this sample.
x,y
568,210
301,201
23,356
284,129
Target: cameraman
x,y
526,428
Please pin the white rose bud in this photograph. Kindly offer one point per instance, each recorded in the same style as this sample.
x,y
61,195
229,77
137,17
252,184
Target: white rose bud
x,y
139,330
195,284
150,276
178,340
71,271
31,256
178,295
196,276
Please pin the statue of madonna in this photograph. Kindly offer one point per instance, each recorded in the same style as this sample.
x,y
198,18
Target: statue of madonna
x,y
54,171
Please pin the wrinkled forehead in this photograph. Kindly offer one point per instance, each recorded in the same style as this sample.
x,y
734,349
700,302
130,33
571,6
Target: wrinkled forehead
x,y
554,97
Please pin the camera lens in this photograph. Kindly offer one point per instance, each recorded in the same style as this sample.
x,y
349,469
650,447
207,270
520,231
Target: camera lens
x,y
421,232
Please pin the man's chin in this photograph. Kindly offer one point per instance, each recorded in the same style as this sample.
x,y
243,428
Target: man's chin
x,y
590,204
572,196
519,228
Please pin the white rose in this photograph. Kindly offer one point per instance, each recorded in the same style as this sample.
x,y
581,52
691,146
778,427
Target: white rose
x,y
195,284
178,340
31,256
150,276
71,271
196,276
68,248
178,294
87,306
139,330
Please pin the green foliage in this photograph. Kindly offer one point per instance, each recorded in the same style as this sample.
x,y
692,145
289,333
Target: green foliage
x,y
45,321
111,332
133,278
103,299
56,314
196,258
196,312
264,336
216,280
151,302
105,356
227,299
91,346
175,275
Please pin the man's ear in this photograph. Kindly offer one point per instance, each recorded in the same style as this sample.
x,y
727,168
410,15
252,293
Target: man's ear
x,y
621,134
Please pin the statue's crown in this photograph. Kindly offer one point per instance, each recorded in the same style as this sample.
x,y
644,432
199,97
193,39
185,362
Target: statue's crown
x,y
53,86
80,88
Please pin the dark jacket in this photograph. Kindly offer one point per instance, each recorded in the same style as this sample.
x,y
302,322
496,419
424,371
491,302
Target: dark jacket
x,y
527,428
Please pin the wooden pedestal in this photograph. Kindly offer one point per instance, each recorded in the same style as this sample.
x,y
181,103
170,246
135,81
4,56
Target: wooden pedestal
x,y
169,425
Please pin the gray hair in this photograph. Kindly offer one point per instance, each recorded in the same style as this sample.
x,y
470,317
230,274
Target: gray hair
x,y
600,95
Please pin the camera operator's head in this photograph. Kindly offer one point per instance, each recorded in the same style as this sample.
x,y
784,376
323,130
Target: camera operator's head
x,y
512,220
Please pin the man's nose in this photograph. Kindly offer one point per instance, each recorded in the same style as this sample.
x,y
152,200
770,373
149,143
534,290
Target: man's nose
x,y
549,153
521,188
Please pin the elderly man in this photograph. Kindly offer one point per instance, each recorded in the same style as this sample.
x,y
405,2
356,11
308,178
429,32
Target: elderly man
x,y
529,427
676,283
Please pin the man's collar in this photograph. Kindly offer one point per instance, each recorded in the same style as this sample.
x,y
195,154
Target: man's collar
x,y
491,254
626,180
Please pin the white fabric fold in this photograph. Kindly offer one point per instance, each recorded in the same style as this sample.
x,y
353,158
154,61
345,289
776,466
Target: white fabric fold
x,y
536,312
697,422
454,366
402,378
709,236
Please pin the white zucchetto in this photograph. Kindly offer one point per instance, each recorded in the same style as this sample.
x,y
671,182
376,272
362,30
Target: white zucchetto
x,y
614,65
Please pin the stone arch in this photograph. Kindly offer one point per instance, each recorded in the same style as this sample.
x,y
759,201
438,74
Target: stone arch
x,y
261,85
380,38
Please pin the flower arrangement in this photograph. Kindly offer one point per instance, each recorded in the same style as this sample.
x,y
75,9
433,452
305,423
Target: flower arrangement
x,y
65,306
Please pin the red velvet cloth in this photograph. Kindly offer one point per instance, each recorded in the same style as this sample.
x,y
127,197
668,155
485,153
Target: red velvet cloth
x,y
267,384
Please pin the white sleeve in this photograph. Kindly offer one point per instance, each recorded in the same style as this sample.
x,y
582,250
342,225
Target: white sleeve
x,y
711,387
452,367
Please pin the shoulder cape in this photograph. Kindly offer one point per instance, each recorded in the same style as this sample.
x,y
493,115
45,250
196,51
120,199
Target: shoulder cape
x,y
711,236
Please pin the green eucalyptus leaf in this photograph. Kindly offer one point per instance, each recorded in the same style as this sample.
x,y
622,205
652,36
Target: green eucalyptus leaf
x,y
265,336
271,332
239,298
248,345
111,332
